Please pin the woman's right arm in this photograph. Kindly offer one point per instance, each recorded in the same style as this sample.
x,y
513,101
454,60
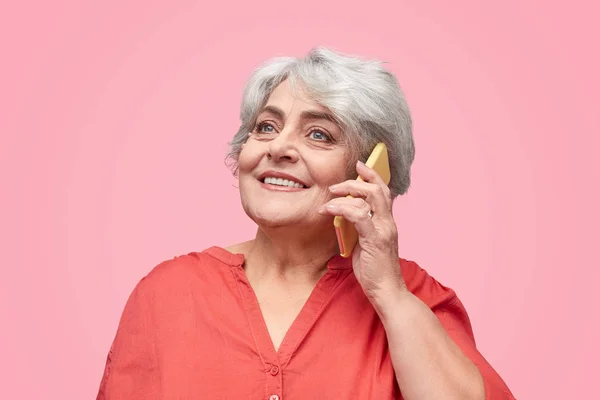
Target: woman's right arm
x,y
131,370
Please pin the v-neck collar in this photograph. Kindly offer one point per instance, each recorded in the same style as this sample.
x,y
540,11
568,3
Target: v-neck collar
x,y
337,269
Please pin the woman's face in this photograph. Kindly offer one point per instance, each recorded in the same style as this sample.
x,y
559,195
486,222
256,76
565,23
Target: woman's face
x,y
290,159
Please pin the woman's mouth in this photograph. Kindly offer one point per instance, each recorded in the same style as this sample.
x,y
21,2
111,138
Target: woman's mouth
x,y
279,180
269,180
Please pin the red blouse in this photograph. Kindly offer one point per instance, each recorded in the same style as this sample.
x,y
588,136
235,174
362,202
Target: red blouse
x,y
193,329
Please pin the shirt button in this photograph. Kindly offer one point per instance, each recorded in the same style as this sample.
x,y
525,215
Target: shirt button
x,y
274,370
274,397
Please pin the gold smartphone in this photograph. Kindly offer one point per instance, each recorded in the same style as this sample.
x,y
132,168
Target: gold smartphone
x,y
346,233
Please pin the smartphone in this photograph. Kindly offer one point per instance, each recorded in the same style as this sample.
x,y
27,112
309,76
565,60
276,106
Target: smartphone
x,y
346,233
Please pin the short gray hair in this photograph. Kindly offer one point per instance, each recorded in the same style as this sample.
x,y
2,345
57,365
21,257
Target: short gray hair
x,y
364,98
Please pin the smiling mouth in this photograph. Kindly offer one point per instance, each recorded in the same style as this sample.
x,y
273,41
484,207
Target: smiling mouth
x,y
283,182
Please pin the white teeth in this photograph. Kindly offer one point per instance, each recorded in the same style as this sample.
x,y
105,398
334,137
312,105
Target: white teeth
x,y
283,182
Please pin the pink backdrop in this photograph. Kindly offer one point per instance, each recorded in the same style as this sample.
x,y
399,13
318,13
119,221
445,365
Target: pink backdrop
x,y
115,122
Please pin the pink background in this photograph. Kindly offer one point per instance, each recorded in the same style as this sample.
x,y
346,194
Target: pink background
x,y
115,121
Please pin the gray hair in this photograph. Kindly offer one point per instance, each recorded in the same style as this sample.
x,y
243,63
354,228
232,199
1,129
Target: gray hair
x,y
364,98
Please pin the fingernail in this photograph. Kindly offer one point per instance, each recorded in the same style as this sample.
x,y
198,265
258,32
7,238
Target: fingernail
x,y
333,187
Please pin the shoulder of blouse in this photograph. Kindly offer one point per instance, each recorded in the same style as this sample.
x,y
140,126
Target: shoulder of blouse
x,y
425,286
176,271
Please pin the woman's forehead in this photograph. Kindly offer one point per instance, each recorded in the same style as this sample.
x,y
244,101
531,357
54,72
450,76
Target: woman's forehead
x,y
286,98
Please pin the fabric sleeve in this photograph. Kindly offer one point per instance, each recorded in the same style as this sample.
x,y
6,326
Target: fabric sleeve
x,y
452,314
131,370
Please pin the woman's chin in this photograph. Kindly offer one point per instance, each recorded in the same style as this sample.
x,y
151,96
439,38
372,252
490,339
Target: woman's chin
x,y
277,222
281,220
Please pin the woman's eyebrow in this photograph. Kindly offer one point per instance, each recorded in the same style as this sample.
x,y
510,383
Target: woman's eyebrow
x,y
308,114
275,111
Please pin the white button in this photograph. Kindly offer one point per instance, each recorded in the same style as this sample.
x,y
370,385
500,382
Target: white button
x,y
274,397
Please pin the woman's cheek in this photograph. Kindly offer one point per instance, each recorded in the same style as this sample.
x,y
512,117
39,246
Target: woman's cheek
x,y
332,171
249,156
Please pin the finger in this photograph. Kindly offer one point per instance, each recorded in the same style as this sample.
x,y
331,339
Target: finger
x,y
359,216
358,202
368,174
373,194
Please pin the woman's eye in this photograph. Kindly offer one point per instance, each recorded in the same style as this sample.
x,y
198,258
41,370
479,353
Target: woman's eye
x,y
318,135
265,128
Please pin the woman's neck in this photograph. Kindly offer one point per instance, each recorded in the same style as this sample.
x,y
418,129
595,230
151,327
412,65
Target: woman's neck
x,y
284,254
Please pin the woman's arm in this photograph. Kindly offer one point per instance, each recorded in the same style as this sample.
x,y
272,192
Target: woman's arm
x,y
431,345
427,362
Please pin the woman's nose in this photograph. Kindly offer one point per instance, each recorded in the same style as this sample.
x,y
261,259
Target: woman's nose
x,y
283,148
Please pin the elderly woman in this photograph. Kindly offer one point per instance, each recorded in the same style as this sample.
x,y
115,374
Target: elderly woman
x,y
284,316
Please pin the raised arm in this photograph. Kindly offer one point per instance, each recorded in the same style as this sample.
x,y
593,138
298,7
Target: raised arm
x,y
431,345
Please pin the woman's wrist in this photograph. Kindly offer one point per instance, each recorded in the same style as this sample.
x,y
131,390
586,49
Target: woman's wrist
x,y
389,299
